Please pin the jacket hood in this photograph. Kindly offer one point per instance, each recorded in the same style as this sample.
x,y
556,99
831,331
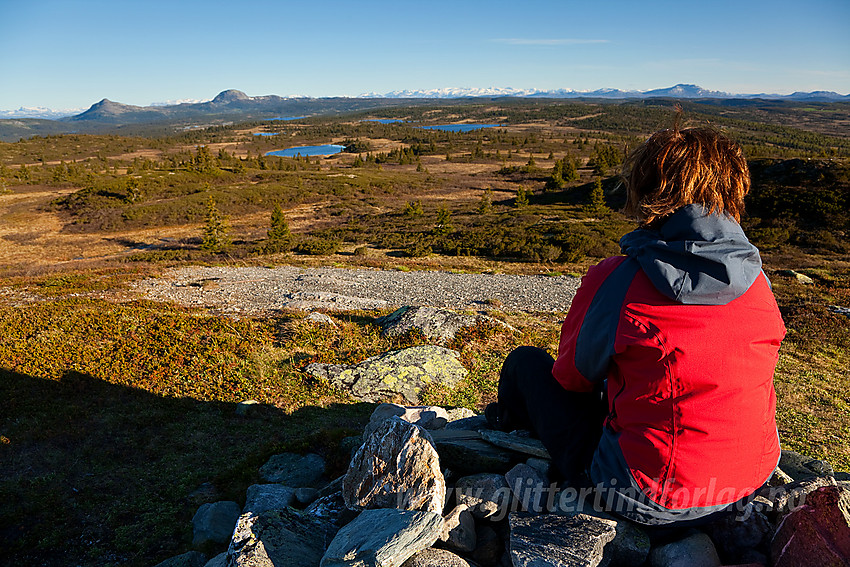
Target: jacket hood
x,y
696,258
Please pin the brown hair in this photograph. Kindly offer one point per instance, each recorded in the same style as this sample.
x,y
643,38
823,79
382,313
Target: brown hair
x,y
674,168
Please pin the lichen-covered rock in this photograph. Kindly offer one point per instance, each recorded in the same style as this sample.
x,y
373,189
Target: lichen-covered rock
x,y
817,533
397,467
401,373
276,538
434,323
559,541
459,530
486,494
383,538
214,522
293,470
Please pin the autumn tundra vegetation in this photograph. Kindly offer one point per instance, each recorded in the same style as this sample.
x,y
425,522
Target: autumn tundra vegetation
x,y
116,408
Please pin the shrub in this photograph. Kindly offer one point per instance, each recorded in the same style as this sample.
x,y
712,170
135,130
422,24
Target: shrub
x,y
319,246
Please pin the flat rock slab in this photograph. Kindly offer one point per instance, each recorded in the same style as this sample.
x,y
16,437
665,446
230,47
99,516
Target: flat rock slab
x,y
465,452
526,445
383,538
432,322
559,541
401,373
278,538
293,470
397,467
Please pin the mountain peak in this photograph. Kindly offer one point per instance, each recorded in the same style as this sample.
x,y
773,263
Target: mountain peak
x,y
230,95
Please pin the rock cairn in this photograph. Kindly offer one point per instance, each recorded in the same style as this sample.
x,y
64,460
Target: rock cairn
x,y
430,487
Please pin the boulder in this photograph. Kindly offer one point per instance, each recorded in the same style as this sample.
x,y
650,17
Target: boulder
x,y
219,560
464,452
782,499
397,467
427,417
190,559
802,278
320,319
558,541
630,546
435,558
528,487
736,536
696,550
487,495
489,547
246,408
801,467
459,530
519,443
331,508
279,537
214,523
432,322
306,495
401,373
816,533
293,470
457,414
384,537
468,423
262,497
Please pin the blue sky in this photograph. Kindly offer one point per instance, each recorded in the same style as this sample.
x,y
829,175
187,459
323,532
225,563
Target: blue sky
x,y
72,53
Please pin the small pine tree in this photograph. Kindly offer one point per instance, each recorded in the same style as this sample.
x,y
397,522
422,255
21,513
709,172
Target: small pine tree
x,y
358,161
215,235
522,197
486,205
531,162
444,221
414,209
597,204
278,237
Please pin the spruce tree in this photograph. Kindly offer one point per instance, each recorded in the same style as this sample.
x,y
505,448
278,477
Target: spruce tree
x,y
215,235
278,237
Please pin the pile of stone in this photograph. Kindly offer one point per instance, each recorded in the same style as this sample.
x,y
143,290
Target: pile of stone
x,y
427,487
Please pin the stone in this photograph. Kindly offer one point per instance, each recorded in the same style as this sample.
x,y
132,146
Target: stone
x,y
331,508
487,495
262,497
219,560
457,414
839,310
489,547
788,497
558,541
528,487
383,538
190,559
540,465
737,535
397,467
214,523
630,546
247,408
696,550
293,470
320,319
520,444
279,537
306,495
802,278
432,557
464,452
432,322
205,493
427,417
800,467
396,374
779,478
459,530
816,533
469,423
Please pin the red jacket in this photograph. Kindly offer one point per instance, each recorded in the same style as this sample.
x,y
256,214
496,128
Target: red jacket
x,y
686,332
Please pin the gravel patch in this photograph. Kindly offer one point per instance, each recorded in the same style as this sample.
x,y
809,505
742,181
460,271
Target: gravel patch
x,y
261,291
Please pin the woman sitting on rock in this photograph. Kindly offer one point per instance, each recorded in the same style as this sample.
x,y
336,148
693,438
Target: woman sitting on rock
x,y
662,394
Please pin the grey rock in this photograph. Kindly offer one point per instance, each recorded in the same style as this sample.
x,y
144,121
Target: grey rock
x,y
384,537
489,547
190,559
782,499
528,487
469,423
696,550
262,497
293,470
457,414
320,319
839,310
401,373
802,278
559,541
278,538
219,560
524,445
540,465
487,495
435,558
433,323
464,452
397,467
630,546
779,478
800,467
247,408
213,523
736,536
817,533
306,495
331,508
427,417
351,443
204,494
459,530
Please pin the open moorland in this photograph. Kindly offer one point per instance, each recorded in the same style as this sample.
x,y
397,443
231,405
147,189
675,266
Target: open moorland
x,y
116,408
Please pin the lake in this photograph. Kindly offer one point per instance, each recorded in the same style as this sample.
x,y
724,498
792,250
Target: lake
x,y
383,120
266,134
459,127
324,150
287,118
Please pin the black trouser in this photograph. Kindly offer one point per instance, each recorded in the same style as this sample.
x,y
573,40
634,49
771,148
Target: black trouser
x,y
568,423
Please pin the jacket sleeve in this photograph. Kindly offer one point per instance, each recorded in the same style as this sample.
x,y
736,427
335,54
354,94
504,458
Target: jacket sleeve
x,y
589,330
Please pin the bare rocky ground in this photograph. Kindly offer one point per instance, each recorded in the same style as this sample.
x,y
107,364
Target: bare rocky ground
x,y
262,291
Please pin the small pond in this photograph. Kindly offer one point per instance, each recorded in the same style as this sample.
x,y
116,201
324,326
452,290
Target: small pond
x,y
287,118
266,133
459,127
383,120
323,150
